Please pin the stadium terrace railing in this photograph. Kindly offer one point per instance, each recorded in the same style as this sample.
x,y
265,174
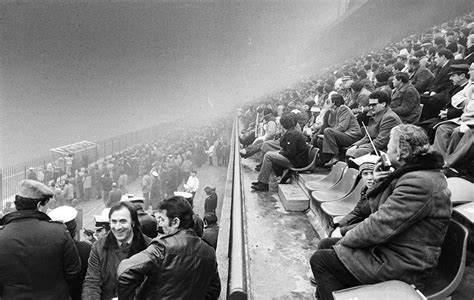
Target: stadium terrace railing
x,y
238,279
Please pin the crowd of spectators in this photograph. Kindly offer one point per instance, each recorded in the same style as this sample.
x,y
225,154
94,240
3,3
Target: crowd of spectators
x,y
424,79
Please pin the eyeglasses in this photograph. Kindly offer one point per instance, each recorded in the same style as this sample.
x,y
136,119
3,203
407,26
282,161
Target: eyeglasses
x,y
373,104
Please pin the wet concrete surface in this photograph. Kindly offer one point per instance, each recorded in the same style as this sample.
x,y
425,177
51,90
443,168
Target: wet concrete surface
x,y
280,244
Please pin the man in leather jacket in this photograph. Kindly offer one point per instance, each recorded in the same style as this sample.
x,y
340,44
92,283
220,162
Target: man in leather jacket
x,y
177,265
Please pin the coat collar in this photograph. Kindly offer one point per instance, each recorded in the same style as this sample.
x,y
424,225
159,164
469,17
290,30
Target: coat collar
x,y
24,214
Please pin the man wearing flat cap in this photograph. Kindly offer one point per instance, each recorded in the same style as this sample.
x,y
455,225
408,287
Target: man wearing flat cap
x,y
37,256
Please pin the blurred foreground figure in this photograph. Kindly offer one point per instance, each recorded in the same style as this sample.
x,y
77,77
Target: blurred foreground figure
x,y
177,265
37,256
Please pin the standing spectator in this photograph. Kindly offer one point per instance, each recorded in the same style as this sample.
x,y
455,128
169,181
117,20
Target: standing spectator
x,y
69,160
68,192
146,189
210,203
96,182
32,174
211,229
176,266
148,224
124,240
37,257
192,185
106,183
123,182
405,100
68,215
155,191
114,196
186,167
87,185
48,174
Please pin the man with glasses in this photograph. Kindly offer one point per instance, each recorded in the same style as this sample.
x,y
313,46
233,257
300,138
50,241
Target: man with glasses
x,y
382,120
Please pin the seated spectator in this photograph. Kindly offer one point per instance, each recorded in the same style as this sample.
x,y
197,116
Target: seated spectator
x,y
211,229
270,130
382,84
382,247
405,100
420,77
293,153
360,96
454,137
382,120
344,133
434,99
459,76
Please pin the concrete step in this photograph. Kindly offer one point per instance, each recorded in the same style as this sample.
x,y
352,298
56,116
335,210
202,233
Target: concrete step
x,y
292,197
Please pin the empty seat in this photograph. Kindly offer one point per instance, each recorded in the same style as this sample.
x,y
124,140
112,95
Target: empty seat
x,y
330,180
388,290
446,277
346,204
462,191
466,211
340,189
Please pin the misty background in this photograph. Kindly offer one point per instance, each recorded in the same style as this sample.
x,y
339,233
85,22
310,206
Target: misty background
x,y
88,70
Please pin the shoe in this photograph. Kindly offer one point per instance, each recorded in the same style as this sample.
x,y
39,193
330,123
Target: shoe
x,y
255,182
261,187
312,280
258,167
331,163
243,153
286,175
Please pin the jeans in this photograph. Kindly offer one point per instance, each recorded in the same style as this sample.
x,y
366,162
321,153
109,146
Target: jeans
x,y
271,158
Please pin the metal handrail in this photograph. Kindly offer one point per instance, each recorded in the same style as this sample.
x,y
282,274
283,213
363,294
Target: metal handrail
x,y
238,284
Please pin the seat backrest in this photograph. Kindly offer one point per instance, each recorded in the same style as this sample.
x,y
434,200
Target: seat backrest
x,y
447,276
312,155
329,180
348,180
462,191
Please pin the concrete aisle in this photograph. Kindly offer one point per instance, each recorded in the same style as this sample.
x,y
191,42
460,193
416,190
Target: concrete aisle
x,y
280,244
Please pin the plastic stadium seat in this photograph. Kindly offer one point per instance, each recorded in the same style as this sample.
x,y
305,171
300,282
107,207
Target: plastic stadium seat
x,y
466,210
330,180
346,204
388,290
442,282
448,274
462,191
312,156
340,189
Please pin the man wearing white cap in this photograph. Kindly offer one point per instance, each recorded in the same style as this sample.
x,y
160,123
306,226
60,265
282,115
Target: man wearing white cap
x,y
37,256
67,215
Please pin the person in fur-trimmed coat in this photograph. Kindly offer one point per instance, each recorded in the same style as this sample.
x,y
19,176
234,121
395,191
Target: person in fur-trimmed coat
x,y
402,237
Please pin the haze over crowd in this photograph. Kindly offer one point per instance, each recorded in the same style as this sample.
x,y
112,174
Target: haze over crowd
x,y
84,70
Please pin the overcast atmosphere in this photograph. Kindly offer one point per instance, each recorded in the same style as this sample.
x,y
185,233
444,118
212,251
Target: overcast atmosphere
x,y
87,70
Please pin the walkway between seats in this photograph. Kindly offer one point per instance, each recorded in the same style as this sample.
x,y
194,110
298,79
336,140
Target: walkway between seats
x,y
280,244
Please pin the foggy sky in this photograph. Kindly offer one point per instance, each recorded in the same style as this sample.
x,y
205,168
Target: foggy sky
x,y
87,70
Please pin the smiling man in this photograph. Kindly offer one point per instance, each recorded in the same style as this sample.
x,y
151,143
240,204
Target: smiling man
x,y
124,240
177,265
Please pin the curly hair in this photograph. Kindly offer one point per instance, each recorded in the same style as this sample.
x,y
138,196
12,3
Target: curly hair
x,y
411,138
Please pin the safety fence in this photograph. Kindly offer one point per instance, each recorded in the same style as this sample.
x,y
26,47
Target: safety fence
x,y
11,175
